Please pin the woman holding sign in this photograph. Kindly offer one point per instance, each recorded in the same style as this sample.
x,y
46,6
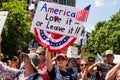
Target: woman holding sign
x,y
59,71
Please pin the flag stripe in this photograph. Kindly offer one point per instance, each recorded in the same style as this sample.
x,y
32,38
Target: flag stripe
x,y
46,41
82,15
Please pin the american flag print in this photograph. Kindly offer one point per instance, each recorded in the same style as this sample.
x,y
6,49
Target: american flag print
x,y
82,15
54,42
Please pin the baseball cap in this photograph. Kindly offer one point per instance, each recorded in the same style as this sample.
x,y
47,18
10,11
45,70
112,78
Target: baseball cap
x,y
109,52
62,55
34,58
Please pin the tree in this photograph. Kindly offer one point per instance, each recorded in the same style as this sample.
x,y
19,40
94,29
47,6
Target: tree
x,y
17,27
105,36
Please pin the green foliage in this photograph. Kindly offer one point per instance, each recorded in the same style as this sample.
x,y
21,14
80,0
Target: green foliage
x,y
105,36
17,27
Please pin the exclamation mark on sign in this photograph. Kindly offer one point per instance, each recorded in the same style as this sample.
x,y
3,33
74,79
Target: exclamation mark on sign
x,y
77,30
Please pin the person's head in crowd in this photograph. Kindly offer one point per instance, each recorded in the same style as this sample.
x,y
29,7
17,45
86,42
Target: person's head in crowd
x,y
109,56
91,60
1,56
72,62
83,64
33,50
61,60
19,50
14,62
105,60
31,61
78,59
41,52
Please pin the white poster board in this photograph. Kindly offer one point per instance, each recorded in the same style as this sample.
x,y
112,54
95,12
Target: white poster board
x,y
3,16
117,58
72,52
57,18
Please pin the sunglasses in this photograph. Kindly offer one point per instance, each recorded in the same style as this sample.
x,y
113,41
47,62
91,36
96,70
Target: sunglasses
x,y
91,61
39,54
83,64
60,59
72,61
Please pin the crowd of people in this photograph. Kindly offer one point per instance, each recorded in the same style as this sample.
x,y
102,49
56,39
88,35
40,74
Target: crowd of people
x,y
41,64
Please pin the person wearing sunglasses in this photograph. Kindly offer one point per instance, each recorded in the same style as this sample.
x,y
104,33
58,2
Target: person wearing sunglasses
x,y
72,67
83,75
93,75
42,68
59,71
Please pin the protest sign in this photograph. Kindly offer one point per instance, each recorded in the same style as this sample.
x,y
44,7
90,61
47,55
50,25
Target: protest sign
x,y
57,18
3,16
57,26
72,52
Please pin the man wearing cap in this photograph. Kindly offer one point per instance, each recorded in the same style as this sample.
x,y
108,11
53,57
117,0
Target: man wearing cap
x,y
103,68
59,71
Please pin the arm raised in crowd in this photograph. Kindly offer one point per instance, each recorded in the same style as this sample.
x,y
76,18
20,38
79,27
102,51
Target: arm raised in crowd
x,y
93,68
82,53
113,72
7,72
48,60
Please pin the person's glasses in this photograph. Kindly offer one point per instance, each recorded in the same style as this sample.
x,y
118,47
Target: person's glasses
x,y
39,54
83,64
91,61
62,59
72,61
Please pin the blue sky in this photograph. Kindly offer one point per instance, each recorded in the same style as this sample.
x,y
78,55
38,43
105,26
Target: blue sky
x,y
100,10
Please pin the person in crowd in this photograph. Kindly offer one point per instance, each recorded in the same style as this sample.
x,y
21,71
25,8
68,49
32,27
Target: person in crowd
x,y
33,49
31,61
114,73
93,75
78,63
72,67
104,68
19,53
14,62
42,68
83,75
1,56
59,71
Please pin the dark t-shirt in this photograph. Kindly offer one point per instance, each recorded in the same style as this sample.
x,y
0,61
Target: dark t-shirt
x,y
104,68
65,75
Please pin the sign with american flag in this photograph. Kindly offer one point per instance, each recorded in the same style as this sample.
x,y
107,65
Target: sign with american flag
x,y
56,26
57,18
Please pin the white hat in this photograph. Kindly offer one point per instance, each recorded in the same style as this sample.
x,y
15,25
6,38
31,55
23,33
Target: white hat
x,y
109,52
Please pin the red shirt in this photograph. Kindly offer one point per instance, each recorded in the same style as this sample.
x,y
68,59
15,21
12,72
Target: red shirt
x,y
42,70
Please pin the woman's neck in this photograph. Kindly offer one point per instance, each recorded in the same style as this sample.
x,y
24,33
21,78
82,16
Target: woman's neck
x,y
28,72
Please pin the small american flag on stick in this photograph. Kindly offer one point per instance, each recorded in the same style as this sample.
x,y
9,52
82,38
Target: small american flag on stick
x,y
82,15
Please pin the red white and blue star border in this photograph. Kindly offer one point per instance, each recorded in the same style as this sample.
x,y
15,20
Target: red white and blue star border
x,y
54,42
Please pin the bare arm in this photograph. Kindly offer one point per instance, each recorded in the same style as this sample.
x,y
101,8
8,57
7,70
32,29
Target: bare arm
x,y
49,61
82,53
113,72
92,68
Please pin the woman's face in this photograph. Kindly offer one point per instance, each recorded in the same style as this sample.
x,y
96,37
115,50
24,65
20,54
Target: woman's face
x,y
61,62
83,64
27,62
